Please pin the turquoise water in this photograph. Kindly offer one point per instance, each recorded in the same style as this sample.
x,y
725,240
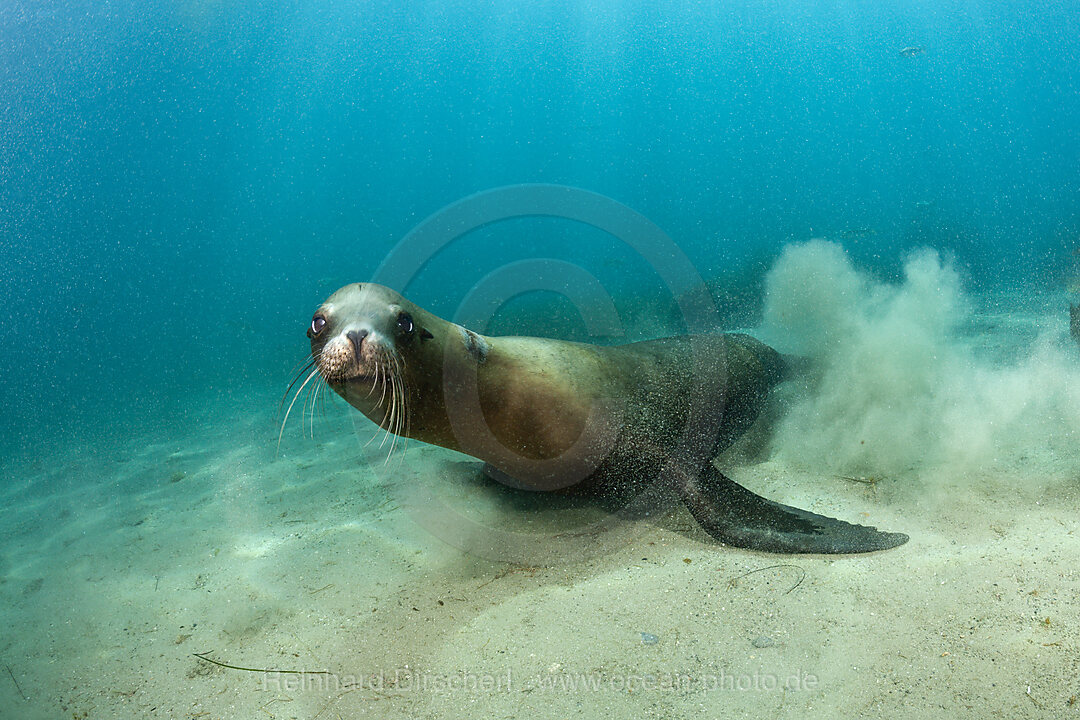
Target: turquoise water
x,y
182,183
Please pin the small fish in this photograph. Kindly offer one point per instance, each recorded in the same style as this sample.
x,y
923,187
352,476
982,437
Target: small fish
x,y
911,51
857,233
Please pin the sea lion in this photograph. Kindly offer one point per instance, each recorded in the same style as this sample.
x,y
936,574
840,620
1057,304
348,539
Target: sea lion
x,y
549,414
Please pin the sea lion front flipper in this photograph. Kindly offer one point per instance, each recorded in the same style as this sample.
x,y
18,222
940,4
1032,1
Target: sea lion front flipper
x,y
734,515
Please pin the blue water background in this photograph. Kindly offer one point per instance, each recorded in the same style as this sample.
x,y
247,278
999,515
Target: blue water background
x,y
182,182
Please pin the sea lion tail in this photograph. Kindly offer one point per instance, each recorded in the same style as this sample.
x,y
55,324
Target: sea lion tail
x,y
776,367
735,516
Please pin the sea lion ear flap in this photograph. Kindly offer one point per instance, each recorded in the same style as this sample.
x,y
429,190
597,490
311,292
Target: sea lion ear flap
x,y
425,335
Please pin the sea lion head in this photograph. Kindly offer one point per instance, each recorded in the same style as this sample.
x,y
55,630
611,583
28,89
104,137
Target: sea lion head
x,y
382,354
363,332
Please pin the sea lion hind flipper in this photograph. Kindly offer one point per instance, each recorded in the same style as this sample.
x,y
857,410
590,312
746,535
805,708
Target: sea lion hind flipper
x,y
734,515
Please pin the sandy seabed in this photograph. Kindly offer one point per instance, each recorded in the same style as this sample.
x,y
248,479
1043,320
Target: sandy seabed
x,y
120,565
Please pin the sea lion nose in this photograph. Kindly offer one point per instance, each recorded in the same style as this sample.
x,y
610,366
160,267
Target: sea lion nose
x,y
356,337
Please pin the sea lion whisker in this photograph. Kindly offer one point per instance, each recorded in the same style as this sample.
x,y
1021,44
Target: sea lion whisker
x,y
314,373
318,403
379,379
388,416
403,424
393,421
375,381
398,423
311,412
322,399
381,365
375,376
307,365
400,417
304,414
399,404
307,360
390,434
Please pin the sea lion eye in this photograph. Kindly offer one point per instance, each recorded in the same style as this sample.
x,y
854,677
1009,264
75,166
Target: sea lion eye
x,y
317,324
404,323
